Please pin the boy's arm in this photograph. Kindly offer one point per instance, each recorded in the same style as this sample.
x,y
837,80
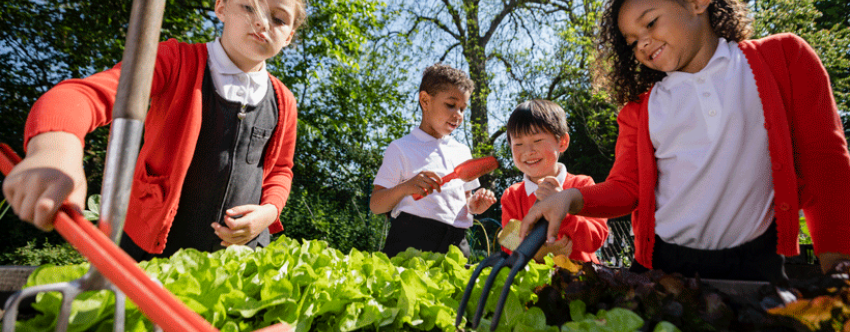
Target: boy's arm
x,y
389,189
480,201
383,199
821,157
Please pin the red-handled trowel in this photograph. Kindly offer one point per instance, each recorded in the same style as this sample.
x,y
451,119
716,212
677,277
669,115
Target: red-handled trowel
x,y
470,170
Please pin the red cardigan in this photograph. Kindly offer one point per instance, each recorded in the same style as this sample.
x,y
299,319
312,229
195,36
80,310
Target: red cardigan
x,y
808,154
586,233
79,106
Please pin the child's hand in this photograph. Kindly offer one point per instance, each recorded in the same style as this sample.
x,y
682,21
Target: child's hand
x,y
244,223
51,173
480,201
554,208
546,187
564,246
423,184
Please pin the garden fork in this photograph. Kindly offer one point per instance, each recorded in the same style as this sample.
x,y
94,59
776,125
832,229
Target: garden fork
x,y
128,114
517,261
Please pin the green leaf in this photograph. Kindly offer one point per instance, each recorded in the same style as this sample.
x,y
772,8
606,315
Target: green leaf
x,y
620,319
577,310
665,327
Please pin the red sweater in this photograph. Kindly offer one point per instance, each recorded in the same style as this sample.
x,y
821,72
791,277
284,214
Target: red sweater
x,y
808,154
586,233
79,106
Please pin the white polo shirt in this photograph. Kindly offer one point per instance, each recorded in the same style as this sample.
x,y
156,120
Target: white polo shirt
x,y
417,152
531,186
231,82
715,188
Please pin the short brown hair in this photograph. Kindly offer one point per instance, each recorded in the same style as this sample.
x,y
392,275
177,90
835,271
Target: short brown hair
x,y
440,77
537,115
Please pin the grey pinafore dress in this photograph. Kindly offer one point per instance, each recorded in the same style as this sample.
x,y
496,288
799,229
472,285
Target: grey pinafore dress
x,y
226,171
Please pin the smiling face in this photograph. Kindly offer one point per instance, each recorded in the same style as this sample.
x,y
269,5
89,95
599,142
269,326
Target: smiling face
x,y
443,112
668,35
255,30
536,154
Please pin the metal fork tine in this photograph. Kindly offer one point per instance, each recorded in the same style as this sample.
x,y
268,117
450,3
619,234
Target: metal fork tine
x,y
489,261
10,316
64,318
517,261
485,292
514,270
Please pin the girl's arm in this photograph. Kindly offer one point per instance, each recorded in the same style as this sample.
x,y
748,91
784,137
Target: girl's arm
x,y
51,173
278,182
617,196
821,158
54,136
588,233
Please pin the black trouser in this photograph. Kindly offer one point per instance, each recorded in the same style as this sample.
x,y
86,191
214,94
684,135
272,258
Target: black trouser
x,y
424,234
755,260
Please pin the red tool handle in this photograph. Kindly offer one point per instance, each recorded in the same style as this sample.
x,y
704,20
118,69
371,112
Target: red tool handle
x,y
469,170
446,178
153,300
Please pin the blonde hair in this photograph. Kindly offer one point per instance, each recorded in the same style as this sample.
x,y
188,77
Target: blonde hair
x,y
300,12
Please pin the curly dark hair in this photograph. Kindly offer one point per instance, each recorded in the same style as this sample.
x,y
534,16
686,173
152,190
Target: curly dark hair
x,y
534,116
617,69
439,77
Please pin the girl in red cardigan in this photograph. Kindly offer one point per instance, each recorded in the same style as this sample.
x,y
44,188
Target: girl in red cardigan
x,y
722,141
220,129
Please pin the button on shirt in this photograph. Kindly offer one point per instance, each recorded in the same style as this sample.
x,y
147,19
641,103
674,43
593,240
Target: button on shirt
x,y
231,82
416,152
715,188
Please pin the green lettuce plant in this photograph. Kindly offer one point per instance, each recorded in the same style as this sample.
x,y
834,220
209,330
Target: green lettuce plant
x,y
306,284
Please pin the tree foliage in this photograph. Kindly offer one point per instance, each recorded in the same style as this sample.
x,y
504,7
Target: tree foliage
x,y
828,34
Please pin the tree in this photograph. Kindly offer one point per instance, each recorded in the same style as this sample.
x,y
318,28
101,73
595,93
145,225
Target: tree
x,y
829,35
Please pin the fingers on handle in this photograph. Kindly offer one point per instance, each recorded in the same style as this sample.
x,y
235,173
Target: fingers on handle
x,y
529,220
45,213
552,232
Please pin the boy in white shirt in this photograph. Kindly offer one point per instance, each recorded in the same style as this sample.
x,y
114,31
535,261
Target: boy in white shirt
x,y
414,165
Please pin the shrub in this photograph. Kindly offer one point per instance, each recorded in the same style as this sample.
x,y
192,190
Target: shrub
x,y
33,254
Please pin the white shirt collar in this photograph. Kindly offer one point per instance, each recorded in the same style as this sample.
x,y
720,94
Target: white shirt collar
x,y
220,63
677,77
531,186
425,137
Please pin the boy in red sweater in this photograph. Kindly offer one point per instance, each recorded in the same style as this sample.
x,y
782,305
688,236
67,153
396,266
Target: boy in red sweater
x,y
537,134
220,128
